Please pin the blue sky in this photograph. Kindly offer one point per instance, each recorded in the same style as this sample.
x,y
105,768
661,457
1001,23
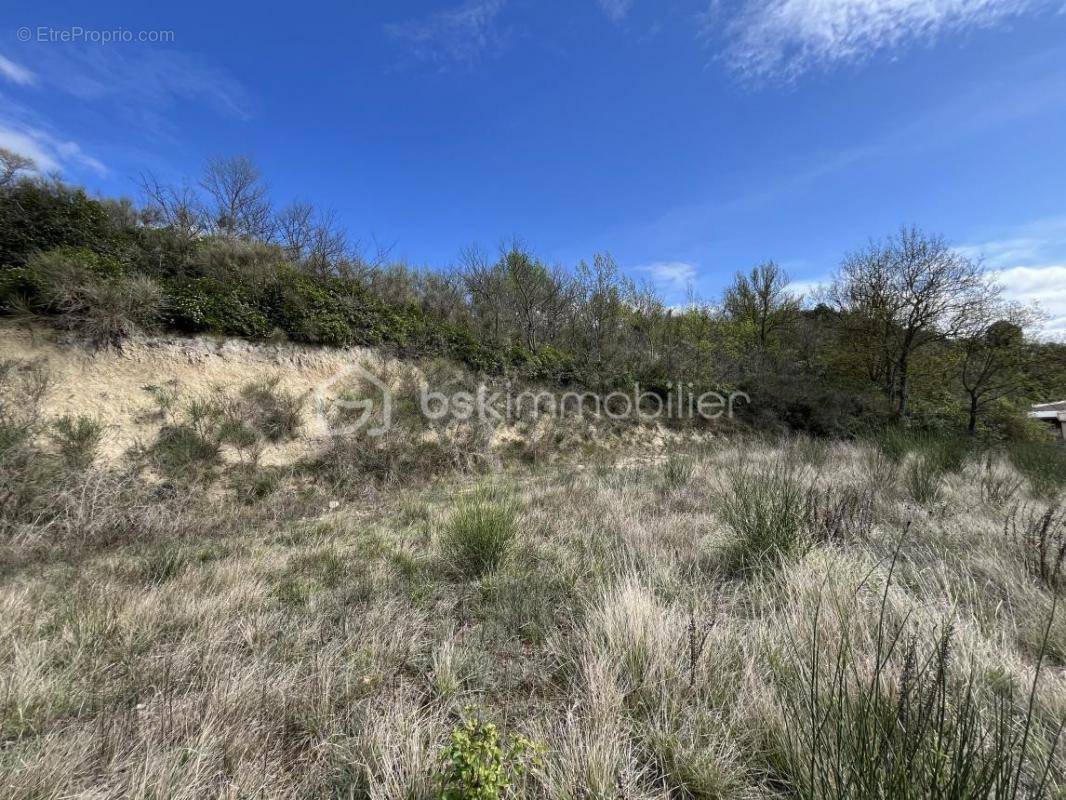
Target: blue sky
x,y
689,138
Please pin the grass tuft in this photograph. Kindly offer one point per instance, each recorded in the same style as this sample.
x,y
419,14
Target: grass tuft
x,y
478,535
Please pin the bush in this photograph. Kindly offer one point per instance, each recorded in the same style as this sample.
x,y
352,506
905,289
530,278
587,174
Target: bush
x,y
207,304
93,295
475,765
77,439
478,534
271,411
765,507
44,215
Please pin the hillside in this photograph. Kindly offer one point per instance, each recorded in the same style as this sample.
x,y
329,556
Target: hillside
x,y
605,616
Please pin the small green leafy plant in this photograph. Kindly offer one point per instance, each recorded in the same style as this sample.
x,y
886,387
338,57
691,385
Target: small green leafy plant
x,y
477,765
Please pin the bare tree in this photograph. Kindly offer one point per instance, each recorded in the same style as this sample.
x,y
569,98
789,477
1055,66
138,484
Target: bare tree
x,y
312,238
11,164
995,355
761,302
175,207
294,229
238,197
486,289
904,294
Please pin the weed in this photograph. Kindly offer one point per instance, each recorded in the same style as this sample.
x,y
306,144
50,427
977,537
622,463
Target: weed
x,y
475,765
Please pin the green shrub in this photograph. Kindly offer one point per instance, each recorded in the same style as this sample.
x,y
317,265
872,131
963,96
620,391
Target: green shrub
x,y
765,507
476,765
182,448
208,304
44,215
91,294
478,534
77,439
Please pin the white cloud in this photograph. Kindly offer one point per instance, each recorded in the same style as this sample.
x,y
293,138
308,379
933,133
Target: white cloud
x,y
616,10
1044,286
49,153
670,275
16,73
785,38
460,35
809,287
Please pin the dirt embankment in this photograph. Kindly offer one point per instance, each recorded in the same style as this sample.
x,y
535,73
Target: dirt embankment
x,y
109,384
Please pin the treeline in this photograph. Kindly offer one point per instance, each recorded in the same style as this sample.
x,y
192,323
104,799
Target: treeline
x,y
908,329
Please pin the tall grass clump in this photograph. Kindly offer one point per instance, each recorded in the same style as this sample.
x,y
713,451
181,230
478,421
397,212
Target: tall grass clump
x,y
766,508
1041,536
478,534
924,478
898,722
1043,463
677,472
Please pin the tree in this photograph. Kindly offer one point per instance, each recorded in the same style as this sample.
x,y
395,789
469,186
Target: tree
x,y
761,303
237,196
517,297
311,238
903,294
994,356
11,164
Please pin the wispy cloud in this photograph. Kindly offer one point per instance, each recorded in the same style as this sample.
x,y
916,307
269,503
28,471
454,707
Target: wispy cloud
x,y
1044,286
145,83
616,10
49,152
16,73
769,39
459,36
670,276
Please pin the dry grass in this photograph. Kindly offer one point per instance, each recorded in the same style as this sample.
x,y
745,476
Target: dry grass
x,y
189,643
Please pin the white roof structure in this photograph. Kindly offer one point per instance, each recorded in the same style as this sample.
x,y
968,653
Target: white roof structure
x,y
1052,411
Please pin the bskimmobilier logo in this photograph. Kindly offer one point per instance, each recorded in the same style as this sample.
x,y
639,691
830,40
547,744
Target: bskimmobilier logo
x,y
343,414
358,401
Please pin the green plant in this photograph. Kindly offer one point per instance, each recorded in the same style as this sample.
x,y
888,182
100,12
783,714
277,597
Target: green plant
x,y
765,507
476,537
1043,463
895,723
77,439
476,765
677,471
924,478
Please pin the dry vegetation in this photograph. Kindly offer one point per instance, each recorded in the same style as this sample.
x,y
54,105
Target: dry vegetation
x,y
735,618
